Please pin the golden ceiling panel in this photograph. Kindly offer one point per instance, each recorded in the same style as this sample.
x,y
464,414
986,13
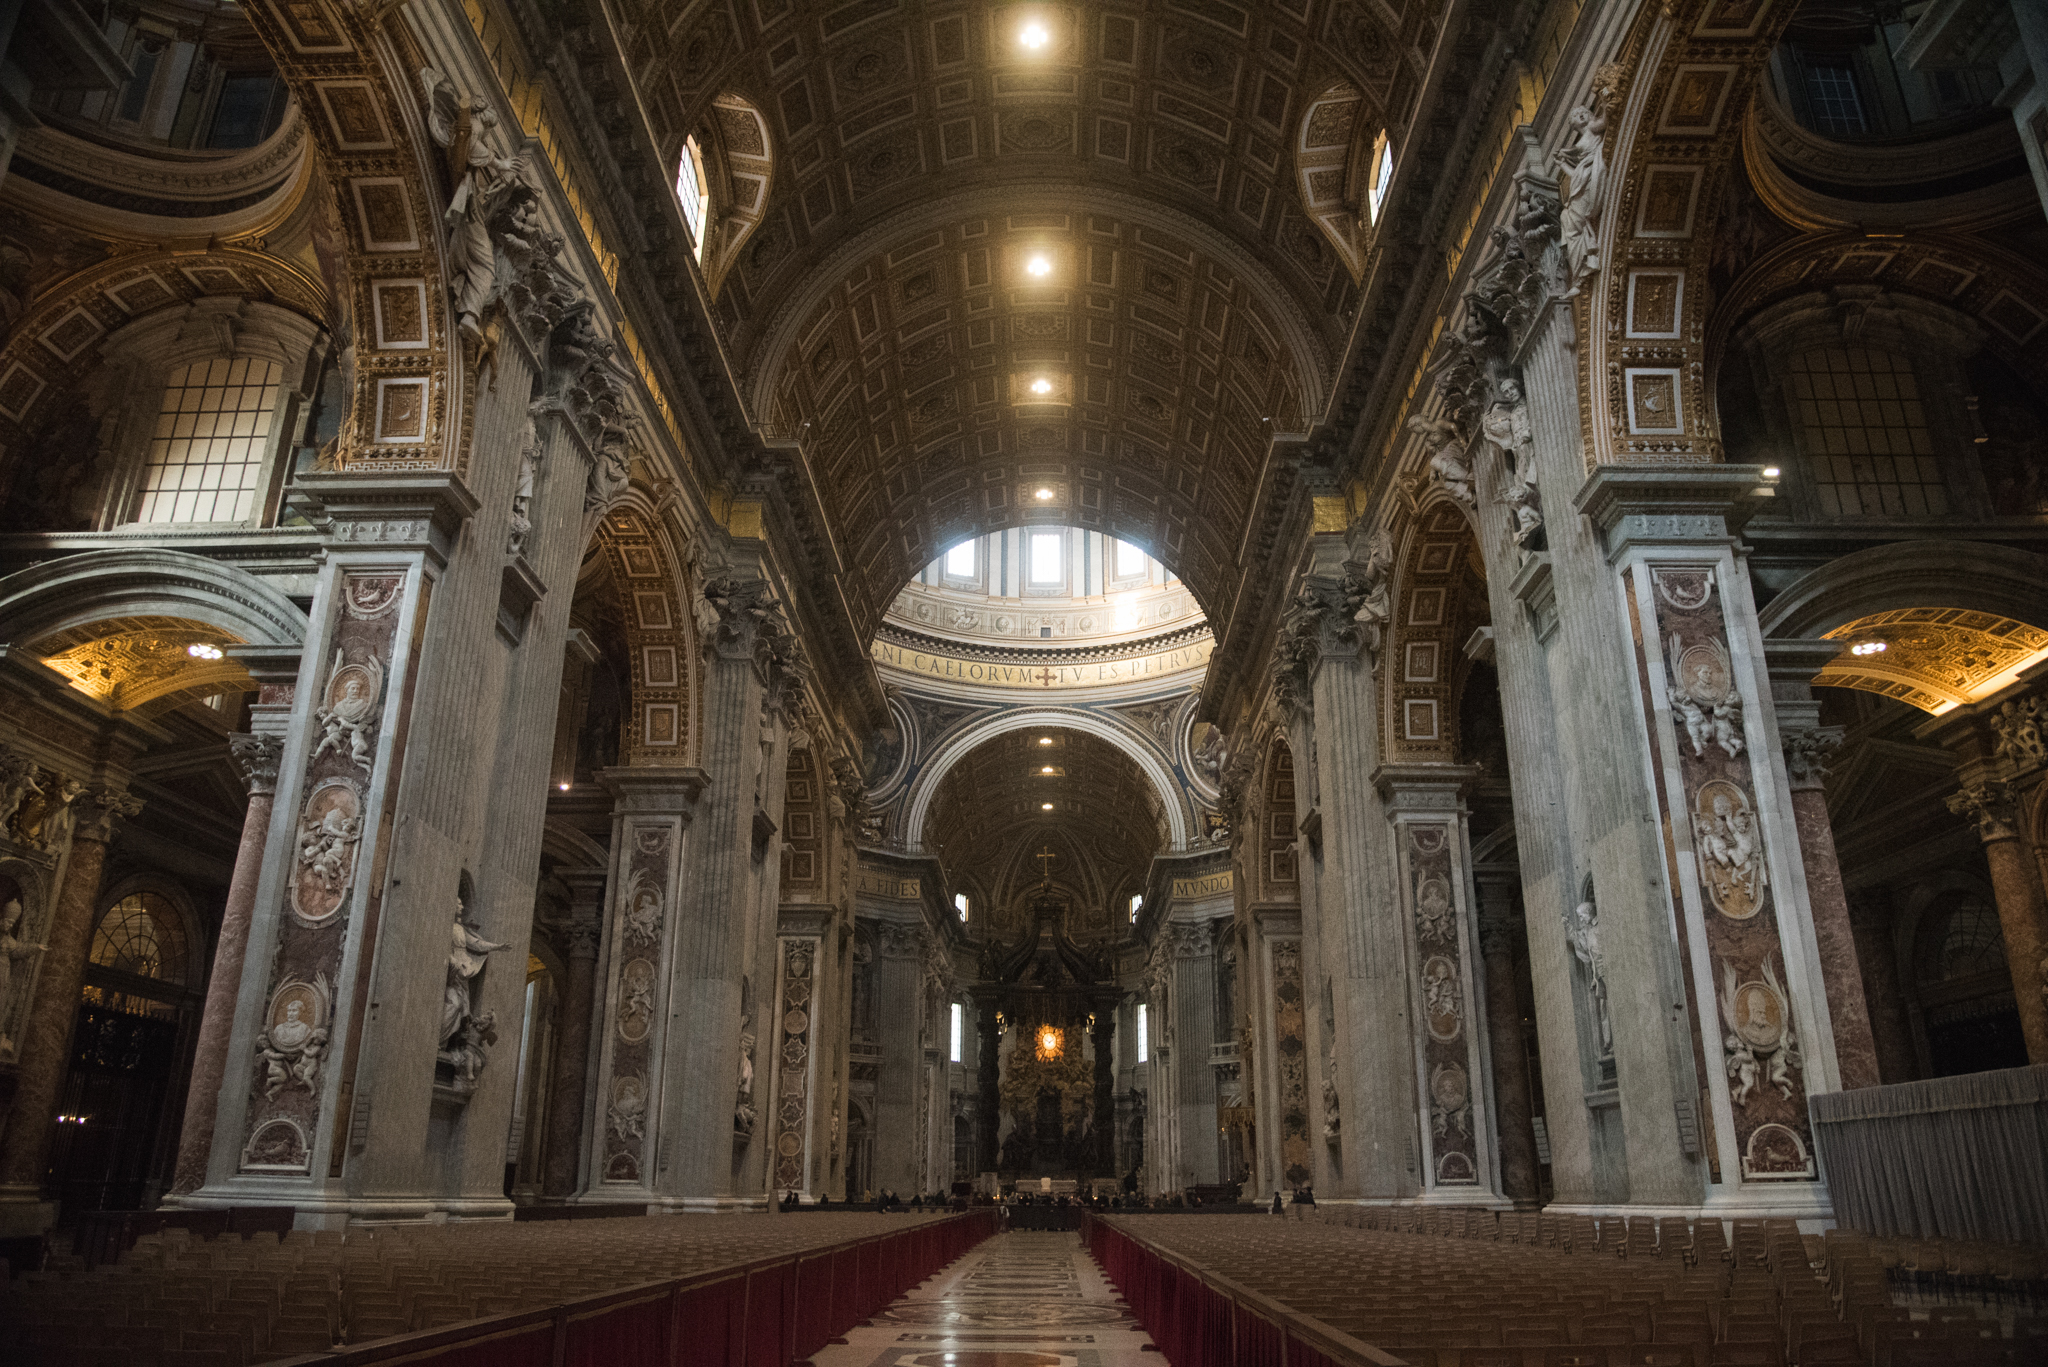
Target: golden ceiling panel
x,y
130,662
1933,658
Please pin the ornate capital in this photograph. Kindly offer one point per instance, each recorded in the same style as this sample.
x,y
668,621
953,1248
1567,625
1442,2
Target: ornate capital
x,y
735,614
256,758
1807,749
1991,805
1189,940
1496,929
583,935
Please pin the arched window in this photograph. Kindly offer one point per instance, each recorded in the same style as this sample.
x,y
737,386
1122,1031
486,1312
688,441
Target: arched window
x,y
140,936
691,190
214,433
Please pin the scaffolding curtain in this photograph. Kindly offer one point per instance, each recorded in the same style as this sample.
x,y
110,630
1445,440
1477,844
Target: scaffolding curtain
x,y
1953,1157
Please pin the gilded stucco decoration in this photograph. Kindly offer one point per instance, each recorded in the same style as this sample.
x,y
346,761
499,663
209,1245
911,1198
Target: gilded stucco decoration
x,y
131,663
1933,658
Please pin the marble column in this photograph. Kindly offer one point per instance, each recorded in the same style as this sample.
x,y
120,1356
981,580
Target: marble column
x,y
2016,884
899,1129
1192,995
1806,751
568,1102
45,1044
1877,956
257,757
1513,1110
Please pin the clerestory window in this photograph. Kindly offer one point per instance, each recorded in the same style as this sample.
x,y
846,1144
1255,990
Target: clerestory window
x,y
213,436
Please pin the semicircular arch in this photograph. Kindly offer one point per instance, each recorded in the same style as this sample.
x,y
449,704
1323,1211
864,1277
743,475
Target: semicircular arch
x,y
77,590
956,748
1979,576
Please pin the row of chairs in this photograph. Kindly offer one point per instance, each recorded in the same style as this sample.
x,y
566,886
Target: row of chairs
x,y
1455,1288
227,1302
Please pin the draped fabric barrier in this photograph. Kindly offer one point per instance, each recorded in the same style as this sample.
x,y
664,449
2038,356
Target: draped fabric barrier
x,y
764,1314
1199,1319
1950,1158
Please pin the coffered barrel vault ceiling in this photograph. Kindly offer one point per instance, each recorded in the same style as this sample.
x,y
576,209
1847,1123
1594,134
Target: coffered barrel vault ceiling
x,y
920,151
989,822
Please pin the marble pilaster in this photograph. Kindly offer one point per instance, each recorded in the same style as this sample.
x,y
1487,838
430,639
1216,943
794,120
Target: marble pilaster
x,y
1514,1111
569,1102
1452,1081
1192,995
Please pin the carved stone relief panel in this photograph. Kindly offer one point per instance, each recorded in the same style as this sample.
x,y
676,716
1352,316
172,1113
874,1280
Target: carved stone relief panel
x,y
1290,1036
793,1061
640,938
1447,1049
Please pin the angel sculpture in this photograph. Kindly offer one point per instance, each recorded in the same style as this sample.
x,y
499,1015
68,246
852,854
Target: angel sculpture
x,y
1582,933
1705,695
467,953
483,176
1760,1040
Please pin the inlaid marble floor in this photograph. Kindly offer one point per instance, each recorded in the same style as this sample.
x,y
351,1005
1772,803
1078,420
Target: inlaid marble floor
x,y
1026,1299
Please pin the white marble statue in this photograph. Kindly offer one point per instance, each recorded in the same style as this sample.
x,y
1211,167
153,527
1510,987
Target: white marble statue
x,y
466,957
487,174
1582,932
1581,166
14,947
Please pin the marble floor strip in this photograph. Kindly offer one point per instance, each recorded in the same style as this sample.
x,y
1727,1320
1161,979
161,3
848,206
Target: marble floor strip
x,y
1024,1299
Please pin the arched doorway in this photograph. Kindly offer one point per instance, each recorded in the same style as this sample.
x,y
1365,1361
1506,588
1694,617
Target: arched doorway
x,y
117,1121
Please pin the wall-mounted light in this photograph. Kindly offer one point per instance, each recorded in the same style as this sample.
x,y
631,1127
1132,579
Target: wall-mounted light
x,y
1041,386
563,786
1044,494
1045,806
1045,740
1046,770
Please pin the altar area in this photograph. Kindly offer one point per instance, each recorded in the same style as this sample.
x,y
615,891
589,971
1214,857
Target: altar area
x,y
1045,1009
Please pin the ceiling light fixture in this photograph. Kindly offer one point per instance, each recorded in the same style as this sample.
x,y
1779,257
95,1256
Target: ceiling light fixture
x,y
1044,493
1867,648
563,786
1041,386
199,650
1038,265
1045,740
1045,806
1034,36
1046,770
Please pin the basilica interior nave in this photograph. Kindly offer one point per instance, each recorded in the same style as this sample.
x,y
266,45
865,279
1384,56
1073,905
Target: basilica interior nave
x,y
1317,660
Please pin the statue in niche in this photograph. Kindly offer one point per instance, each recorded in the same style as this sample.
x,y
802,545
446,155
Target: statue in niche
x,y
14,947
743,1113
465,1033
1582,933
